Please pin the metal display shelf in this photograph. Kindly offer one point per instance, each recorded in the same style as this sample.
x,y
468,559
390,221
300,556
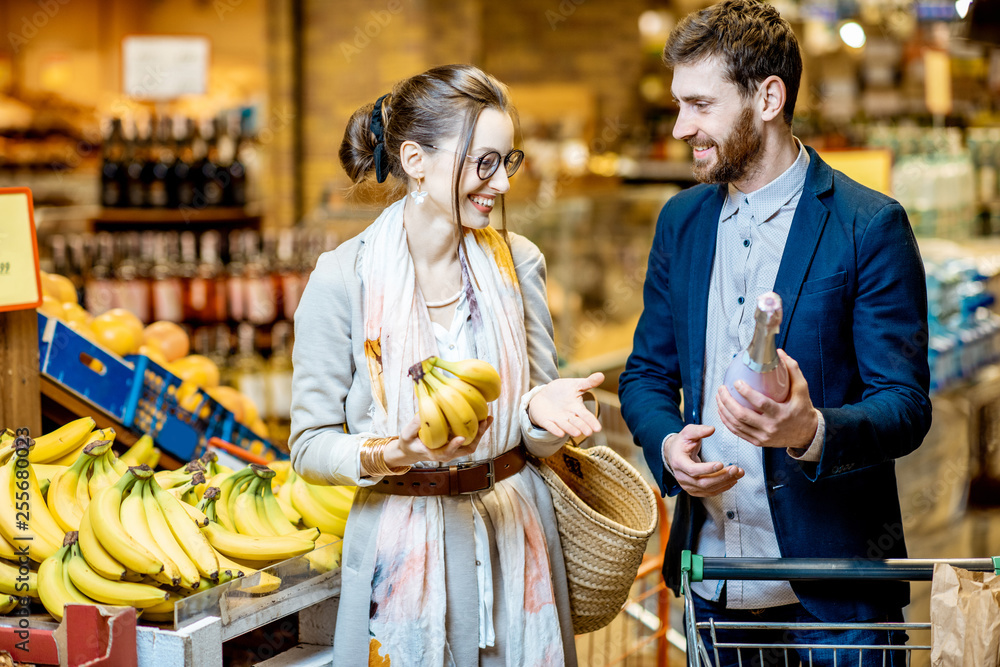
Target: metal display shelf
x,y
308,585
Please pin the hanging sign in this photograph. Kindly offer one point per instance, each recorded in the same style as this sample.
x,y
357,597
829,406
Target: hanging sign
x,y
20,282
163,67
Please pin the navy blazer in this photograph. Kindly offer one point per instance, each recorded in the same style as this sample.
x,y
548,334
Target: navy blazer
x,y
855,318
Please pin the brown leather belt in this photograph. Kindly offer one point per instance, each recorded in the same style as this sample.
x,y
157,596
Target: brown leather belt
x,y
454,480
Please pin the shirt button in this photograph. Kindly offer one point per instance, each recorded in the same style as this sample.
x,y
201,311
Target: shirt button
x,y
730,514
740,300
746,243
451,347
478,563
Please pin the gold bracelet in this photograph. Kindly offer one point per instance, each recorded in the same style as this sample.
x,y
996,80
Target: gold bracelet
x,y
373,458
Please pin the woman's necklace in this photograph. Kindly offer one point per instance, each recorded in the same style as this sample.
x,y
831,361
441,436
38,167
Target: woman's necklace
x,y
446,302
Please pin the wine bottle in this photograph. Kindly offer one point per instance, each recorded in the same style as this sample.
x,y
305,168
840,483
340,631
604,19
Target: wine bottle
x,y
759,365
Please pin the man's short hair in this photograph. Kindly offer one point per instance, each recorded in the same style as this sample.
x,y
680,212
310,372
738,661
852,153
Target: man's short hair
x,y
749,38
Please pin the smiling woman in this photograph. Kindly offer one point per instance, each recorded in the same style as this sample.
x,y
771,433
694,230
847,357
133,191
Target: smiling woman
x,y
438,577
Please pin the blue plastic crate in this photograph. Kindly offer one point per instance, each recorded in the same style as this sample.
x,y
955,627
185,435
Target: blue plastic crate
x,y
180,418
43,340
88,370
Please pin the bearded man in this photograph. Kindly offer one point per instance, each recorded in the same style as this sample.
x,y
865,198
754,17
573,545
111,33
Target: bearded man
x,y
812,476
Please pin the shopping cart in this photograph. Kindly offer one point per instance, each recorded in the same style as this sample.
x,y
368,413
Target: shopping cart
x,y
697,568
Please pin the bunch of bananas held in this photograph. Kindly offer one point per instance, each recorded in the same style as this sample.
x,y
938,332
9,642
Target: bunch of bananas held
x,y
451,404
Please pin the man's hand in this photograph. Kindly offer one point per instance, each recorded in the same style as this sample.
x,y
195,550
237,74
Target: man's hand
x,y
771,424
695,477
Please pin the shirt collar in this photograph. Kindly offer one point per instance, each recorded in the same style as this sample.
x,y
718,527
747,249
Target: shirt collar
x,y
767,201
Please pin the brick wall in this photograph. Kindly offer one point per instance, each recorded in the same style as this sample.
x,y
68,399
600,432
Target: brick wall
x,y
356,49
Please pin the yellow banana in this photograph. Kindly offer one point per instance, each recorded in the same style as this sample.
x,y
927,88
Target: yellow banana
x,y
268,507
137,453
433,427
332,499
313,514
14,583
63,440
62,498
160,530
8,603
480,374
98,435
55,588
239,546
119,593
154,458
187,534
47,471
230,485
325,557
461,417
468,392
133,515
280,469
285,500
102,475
245,516
95,554
105,518
259,584
17,511
7,550
235,569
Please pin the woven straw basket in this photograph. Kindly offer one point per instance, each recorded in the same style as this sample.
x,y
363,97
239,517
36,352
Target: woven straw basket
x,y
606,513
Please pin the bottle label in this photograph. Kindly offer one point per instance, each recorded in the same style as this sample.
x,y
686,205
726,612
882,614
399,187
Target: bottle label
x,y
261,308
99,296
212,193
234,290
168,300
199,294
112,194
158,194
133,296
291,292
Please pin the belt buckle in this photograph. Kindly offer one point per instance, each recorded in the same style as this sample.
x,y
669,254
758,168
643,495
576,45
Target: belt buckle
x,y
489,475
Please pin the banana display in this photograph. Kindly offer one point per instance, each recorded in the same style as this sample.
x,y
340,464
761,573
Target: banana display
x,y
452,398
108,530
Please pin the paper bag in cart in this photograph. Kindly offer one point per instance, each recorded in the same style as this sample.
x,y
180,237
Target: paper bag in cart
x,y
965,618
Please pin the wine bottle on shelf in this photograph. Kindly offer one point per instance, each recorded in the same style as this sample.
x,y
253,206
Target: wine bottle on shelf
x,y
100,293
134,161
180,187
113,172
236,189
759,365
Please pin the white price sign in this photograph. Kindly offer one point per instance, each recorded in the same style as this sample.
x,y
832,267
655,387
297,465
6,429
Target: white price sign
x,y
164,67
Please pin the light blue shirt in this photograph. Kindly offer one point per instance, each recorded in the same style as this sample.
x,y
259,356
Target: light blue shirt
x,y
751,239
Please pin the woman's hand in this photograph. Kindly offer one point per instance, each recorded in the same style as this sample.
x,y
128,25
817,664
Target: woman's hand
x,y
408,449
558,407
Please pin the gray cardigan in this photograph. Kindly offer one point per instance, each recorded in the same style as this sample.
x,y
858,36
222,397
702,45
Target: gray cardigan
x,y
330,402
331,398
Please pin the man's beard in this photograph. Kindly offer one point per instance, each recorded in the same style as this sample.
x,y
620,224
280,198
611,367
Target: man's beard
x,y
736,156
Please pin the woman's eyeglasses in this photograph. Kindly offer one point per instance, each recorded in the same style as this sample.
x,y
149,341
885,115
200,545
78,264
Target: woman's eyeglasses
x,y
487,165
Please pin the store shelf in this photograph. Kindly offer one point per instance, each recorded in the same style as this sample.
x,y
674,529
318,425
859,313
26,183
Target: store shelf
x,y
109,219
305,581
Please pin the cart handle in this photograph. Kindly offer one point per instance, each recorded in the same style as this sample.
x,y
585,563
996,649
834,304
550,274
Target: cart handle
x,y
701,568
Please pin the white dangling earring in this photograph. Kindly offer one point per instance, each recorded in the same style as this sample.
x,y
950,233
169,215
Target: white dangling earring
x,y
419,195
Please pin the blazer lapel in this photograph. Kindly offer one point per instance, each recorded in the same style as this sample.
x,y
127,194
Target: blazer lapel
x,y
803,238
702,258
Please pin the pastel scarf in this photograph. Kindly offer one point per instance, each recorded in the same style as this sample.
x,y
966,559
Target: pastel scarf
x,y
407,625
